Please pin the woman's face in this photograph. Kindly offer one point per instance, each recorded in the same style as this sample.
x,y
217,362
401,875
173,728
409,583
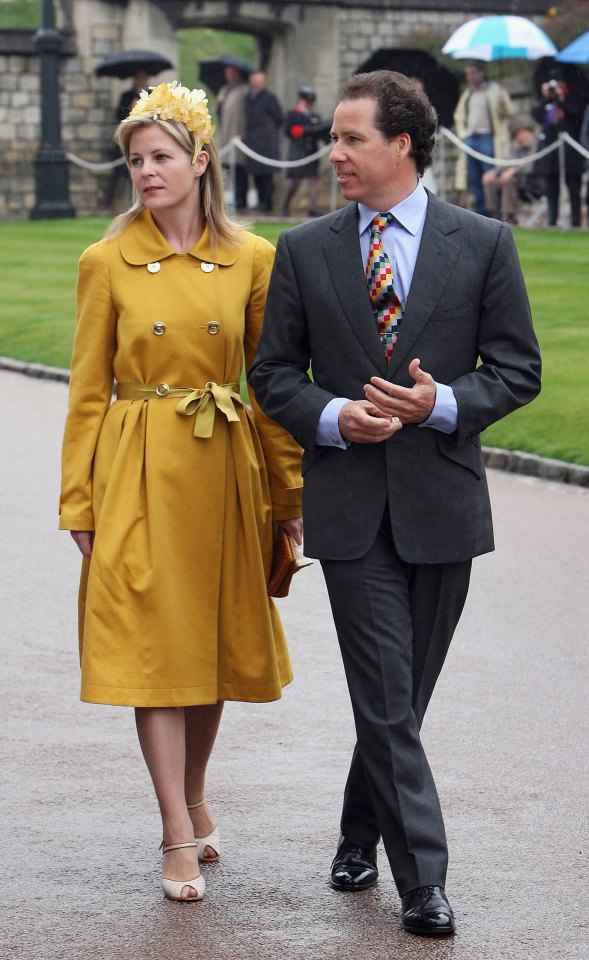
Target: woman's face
x,y
161,170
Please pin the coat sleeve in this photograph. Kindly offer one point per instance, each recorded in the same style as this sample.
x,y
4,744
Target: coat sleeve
x,y
505,107
281,453
460,115
508,375
91,384
281,371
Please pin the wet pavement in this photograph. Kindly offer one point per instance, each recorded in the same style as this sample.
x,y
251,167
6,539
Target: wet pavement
x,y
506,735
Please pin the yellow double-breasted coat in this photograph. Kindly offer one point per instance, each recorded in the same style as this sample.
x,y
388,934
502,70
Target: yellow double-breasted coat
x,y
173,603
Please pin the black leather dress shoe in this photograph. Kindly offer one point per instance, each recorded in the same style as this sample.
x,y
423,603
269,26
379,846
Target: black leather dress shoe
x,y
353,867
426,911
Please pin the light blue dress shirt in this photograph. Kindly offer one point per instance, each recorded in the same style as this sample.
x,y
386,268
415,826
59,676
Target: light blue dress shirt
x,y
401,241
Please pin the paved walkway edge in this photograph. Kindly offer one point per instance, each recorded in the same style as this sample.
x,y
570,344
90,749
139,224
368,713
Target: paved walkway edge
x,y
512,461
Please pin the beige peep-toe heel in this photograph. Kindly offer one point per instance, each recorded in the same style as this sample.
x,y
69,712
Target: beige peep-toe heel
x,y
173,888
212,841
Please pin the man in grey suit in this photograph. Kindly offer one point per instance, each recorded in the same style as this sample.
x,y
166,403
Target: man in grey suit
x,y
407,370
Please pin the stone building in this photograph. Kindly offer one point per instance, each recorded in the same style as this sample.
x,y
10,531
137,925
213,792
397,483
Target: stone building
x,y
316,42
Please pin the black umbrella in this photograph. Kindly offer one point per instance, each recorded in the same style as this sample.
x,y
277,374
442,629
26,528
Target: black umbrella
x,y
129,62
212,71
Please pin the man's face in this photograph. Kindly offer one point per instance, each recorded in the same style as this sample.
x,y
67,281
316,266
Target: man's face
x,y
233,76
473,76
524,137
364,160
257,81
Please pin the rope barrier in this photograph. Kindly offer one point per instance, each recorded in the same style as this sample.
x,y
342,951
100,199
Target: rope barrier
x,y
443,134
283,164
509,162
91,165
238,143
576,146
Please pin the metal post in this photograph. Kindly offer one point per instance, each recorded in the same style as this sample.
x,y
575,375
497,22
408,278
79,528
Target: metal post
x,y
562,185
51,165
441,143
233,177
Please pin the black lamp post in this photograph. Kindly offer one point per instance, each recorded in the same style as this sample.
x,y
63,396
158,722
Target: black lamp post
x,y
51,165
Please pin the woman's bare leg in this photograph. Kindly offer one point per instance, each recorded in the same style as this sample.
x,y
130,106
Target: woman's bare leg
x,y
162,736
202,724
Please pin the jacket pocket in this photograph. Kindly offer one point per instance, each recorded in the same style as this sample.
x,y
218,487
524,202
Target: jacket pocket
x,y
461,313
466,455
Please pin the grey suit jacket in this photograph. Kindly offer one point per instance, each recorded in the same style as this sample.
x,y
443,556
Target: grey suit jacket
x,y
468,320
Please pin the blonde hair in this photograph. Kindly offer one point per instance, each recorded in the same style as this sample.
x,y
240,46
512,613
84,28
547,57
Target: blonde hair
x,y
222,230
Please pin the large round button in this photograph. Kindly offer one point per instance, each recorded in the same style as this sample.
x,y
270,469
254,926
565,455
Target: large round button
x,y
207,267
162,389
154,267
213,327
159,328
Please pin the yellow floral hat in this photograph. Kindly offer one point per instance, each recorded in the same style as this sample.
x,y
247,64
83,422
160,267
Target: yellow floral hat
x,y
170,101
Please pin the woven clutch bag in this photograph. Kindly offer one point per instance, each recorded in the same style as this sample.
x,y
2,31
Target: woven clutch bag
x,y
286,560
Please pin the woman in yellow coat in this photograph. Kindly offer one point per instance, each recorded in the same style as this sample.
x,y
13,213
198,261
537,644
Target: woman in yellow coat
x,y
173,490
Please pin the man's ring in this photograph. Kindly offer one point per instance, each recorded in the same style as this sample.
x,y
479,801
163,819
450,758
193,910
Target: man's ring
x,y
394,420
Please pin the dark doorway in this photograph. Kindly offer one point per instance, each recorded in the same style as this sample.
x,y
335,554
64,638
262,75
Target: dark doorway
x,y
441,85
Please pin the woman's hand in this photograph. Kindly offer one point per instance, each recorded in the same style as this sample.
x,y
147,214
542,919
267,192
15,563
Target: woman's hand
x,y
292,527
84,540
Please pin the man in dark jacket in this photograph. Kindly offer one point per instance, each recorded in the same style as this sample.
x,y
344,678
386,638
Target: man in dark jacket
x,y
305,130
413,315
263,120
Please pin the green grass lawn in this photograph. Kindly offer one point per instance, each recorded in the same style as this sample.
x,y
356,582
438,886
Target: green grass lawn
x,y
39,262
556,424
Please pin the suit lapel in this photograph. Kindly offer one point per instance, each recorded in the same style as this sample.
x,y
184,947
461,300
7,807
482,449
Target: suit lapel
x,y
344,261
438,251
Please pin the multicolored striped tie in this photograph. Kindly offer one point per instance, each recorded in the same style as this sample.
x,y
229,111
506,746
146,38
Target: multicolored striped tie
x,y
386,305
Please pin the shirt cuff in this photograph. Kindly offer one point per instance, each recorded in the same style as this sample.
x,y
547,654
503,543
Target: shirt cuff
x,y
327,433
444,416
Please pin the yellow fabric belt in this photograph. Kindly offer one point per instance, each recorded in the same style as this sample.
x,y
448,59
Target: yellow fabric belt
x,y
200,401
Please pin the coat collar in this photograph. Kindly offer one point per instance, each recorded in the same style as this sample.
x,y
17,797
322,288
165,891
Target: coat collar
x,y
141,242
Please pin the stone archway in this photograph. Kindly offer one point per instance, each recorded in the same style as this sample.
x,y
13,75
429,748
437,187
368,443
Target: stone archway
x,y
295,42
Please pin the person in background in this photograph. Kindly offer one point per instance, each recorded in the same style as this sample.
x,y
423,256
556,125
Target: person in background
x,y
481,119
560,110
584,137
230,105
263,121
129,98
304,129
173,492
127,101
506,186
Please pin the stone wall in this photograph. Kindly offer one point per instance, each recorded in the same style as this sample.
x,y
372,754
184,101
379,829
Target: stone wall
x,y
86,119
363,32
19,131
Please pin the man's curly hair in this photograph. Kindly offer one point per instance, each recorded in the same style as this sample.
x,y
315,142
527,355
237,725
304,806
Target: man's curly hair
x,y
400,108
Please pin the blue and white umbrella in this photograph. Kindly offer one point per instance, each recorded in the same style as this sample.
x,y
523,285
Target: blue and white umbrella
x,y
499,38
577,51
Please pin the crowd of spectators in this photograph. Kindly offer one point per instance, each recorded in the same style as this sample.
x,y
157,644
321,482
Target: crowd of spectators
x,y
485,119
